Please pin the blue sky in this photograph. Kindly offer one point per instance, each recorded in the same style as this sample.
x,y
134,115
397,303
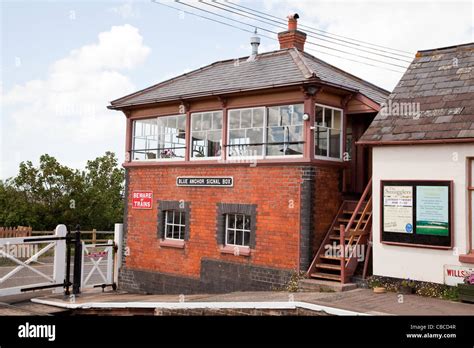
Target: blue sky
x,y
63,61
40,32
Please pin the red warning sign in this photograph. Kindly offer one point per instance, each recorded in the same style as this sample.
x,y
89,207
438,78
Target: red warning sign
x,y
142,199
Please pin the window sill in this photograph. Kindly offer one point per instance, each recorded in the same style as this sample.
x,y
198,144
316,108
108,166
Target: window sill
x,y
167,243
208,158
158,160
237,162
468,258
327,158
235,250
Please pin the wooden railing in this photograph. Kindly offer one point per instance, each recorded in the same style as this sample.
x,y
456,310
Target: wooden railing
x,y
358,235
13,232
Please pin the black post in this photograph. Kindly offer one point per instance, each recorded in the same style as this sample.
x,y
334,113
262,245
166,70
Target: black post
x,y
67,282
76,286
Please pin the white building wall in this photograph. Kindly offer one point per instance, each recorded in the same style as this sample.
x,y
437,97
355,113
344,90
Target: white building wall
x,y
421,162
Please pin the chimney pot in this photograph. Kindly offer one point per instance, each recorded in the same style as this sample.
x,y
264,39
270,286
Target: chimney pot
x,y
292,21
292,37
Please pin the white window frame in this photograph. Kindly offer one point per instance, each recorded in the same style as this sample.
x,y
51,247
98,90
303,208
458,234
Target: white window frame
x,y
265,135
190,146
157,159
262,156
470,203
235,229
132,150
341,140
182,227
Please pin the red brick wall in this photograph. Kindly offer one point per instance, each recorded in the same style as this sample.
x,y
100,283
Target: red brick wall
x,y
327,200
275,190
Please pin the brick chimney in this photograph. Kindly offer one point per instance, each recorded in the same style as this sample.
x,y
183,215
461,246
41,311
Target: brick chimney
x,y
292,37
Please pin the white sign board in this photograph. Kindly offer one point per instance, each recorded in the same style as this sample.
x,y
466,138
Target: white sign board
x,y
453,275
398,209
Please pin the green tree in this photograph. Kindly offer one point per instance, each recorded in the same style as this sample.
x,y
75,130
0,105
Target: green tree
x,y
103,196
50,194
46,191
13,206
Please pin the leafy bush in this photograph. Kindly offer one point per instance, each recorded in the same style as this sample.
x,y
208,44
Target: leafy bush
x,y
408,283
421,288
293,283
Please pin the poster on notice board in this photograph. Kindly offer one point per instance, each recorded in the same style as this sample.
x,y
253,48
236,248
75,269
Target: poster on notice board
x,y
398,209
432,211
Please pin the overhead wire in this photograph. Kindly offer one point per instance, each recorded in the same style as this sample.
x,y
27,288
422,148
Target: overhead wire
x,y
276,33
269,37
302,25
323,38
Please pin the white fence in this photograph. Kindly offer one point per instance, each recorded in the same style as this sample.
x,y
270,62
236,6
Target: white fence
x,y
99,267
55,242
104,260
18,251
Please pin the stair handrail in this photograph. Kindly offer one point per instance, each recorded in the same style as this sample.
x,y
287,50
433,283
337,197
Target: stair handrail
x,y
359,204
367,207
342,244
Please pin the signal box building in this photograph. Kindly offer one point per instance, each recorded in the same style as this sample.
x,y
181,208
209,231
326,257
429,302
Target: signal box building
x,y
239,172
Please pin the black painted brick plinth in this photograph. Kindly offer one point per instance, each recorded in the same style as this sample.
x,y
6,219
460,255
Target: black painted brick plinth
x,y
216,277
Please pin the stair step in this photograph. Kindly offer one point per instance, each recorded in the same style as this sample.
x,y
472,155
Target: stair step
x,y
324,285
339,228
326,276
347,220
350,212
333,247
328,266
328,257
338,238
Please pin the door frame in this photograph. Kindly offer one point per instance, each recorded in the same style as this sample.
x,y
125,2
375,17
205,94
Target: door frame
x,y
360,165
470,203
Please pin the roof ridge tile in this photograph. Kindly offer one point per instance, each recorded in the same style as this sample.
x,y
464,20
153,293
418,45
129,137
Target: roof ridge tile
x,y
301,64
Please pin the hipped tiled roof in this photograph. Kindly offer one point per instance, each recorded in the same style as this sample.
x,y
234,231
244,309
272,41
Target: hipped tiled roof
x,y
433,101
273,69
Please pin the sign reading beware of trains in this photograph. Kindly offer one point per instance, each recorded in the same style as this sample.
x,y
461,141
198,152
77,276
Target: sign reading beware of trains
x,y
142,199
200,181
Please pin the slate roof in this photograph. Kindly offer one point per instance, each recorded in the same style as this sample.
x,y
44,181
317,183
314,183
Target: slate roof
x,y
439,84
332,75
273,69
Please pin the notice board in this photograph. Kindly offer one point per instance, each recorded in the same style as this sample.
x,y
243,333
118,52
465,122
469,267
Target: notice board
x,y
416,213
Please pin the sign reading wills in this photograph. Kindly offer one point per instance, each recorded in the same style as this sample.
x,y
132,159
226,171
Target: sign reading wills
x,y
454,274
200,181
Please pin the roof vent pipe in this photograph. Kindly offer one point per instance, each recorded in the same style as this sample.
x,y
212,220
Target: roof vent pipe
x,y
255,42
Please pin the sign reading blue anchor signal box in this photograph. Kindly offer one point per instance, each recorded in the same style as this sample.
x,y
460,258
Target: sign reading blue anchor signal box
x,y
200,181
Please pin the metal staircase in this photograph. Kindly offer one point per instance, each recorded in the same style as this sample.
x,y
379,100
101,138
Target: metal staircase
x,y
351,228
